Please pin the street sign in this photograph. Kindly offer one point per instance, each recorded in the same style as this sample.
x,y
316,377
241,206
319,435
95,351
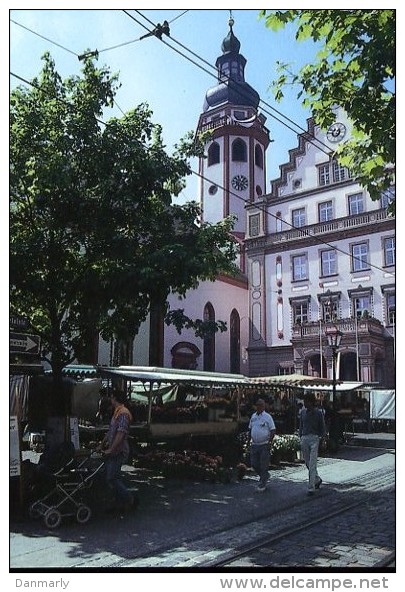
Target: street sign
x,y
25,343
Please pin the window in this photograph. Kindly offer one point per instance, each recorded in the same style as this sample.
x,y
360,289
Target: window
x,y
323,174
328,262
390,304
299,309
360,257
254,225
387,196
329,307
213,154
258,156
234,345
389,251
340,173
209,339
361,305
300,267
356,204
325,212
239,114
332,172
298,217
239,151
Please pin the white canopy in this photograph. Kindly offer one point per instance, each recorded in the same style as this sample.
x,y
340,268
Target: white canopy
x,y
174,376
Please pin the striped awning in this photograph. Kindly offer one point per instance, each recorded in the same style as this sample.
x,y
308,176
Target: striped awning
x,y
173,376
291,380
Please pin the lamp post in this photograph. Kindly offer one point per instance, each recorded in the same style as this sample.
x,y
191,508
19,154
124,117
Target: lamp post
x,y
334,339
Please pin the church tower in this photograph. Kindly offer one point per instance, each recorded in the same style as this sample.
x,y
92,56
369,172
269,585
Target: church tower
x,y
234,172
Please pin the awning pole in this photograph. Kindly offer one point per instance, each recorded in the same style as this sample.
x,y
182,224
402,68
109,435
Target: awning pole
x,y
238,391
150,396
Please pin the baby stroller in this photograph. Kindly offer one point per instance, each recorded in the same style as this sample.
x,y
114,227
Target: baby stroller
x,y
68,494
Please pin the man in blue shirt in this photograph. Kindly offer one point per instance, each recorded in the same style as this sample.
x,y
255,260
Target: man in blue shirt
x,y
262,430
312,430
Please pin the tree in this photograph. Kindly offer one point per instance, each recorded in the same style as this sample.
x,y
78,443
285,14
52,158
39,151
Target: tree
x,y
94,234
354,68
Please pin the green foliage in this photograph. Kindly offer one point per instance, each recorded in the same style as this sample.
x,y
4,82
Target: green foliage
x,y
93,231
355,69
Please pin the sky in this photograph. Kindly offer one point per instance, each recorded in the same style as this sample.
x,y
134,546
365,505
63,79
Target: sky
x,y
172,80
165,78
151,72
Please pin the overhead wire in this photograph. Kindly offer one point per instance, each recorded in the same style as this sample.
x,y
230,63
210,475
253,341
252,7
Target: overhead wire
x,y
309,137
233,83
71,51
245,201
263,209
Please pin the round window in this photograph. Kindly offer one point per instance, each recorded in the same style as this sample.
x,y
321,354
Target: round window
x,y
212,190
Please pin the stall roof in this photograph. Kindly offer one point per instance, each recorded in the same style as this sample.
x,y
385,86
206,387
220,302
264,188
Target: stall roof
x,y
292,380
342,386
172,375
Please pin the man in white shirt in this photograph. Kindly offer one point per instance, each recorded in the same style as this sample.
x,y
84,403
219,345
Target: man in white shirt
x,y
262,430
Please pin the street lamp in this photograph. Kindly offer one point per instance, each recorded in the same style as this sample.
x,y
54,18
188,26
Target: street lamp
x,y
334,339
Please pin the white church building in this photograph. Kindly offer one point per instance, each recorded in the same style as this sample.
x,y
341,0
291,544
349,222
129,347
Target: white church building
x,y
315,250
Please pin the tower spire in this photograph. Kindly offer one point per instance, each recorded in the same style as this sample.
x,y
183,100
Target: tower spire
x,y
231,21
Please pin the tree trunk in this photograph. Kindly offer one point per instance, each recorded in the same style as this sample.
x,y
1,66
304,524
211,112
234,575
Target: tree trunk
x,y
157,331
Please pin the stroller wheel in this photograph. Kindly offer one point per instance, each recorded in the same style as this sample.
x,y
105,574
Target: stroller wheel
x,y
83,514
52,518
34,512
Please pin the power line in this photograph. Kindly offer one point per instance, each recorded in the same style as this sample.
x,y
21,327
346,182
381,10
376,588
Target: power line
x,y
80,57
245,201
303,132
42,37
235,85
230,81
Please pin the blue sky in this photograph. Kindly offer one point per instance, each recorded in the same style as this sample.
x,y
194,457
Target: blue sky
x,y
154,73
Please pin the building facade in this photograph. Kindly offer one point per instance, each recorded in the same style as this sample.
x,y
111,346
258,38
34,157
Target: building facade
x,y
316,252
232,176
321,254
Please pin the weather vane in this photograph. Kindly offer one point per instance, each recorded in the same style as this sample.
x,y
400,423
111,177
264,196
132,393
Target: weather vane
x,y
231,21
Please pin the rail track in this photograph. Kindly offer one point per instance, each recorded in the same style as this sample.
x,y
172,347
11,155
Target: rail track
x,y
302,534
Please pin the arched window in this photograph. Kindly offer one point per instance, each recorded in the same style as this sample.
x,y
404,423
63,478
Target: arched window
x,y
234,345
239,150
258,156
209,340
213,154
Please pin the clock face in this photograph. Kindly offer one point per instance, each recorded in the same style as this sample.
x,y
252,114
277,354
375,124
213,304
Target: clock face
x,y
240,182
336,132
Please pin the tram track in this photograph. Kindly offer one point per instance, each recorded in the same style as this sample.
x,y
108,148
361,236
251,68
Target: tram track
x,y
287,535
220,548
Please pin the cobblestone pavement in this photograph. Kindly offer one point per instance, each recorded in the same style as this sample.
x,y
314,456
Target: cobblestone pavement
x,y
191,524
360,538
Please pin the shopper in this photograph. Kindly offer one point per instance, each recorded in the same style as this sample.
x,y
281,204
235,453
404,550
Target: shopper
x,y
116,450
312,430
262,430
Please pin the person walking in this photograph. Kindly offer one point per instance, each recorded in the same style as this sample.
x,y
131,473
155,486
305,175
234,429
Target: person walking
x,y
312,430
116,450
262,430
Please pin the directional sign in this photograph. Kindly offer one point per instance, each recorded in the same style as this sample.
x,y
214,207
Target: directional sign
x,y
22,342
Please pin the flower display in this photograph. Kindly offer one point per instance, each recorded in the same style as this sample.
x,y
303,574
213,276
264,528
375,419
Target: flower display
x,y
191,464
284,448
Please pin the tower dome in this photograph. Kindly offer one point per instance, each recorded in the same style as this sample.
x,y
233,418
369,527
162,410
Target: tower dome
x,y
231,87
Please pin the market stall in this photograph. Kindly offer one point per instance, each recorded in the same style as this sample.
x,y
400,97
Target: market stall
x,y
170,403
